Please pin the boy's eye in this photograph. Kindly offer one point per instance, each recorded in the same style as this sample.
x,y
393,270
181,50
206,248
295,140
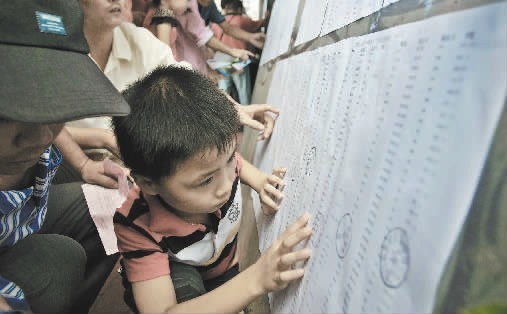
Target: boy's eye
x,y
231,158
206,182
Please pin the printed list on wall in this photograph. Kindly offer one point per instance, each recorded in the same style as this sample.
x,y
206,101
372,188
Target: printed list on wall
x,y
280,27
384,137
325,16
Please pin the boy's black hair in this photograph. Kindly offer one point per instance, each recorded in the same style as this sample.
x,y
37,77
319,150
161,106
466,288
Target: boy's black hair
x,y
175,113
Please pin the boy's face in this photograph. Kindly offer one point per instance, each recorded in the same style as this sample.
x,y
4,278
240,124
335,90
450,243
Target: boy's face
x,y
201,184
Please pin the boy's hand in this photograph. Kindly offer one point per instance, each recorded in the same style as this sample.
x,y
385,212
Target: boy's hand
x,y
275,266
271,193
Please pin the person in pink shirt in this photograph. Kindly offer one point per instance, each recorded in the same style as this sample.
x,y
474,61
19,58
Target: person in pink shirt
x,y
179,24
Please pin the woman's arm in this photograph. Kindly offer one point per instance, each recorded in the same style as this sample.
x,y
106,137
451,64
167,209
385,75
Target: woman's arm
x,y
256,39
91,171
215,44
163,32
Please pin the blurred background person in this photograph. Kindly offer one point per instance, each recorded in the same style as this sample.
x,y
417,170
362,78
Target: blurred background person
x,y
179,24
239,83
211,14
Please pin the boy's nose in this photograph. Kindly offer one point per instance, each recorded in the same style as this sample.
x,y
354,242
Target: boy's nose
x,y
225,188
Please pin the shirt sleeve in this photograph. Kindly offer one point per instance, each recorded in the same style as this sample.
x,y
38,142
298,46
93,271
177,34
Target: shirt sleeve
x,y
196,26
151,266
12,294
215,15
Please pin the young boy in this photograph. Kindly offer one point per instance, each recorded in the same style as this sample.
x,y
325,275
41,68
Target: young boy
x,y
181,219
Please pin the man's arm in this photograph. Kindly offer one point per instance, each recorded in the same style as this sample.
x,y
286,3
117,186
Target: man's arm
x,y
94,138
91,171
256,39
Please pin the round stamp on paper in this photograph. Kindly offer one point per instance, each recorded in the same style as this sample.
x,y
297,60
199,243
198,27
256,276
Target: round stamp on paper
x,y
394,258
344,235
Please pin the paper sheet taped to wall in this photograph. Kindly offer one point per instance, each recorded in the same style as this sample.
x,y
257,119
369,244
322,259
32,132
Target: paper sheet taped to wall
x,y
324,16
384,137
280,27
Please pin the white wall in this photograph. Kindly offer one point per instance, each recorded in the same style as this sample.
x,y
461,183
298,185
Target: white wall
x,y
252,8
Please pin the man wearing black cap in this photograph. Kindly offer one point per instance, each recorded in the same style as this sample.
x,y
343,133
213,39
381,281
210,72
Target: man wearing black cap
x,y
51,257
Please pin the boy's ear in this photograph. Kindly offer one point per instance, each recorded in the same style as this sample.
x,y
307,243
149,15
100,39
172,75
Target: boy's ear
x,y
147,185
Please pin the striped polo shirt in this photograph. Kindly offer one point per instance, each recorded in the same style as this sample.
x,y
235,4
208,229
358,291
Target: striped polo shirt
x,y
149,234
22,213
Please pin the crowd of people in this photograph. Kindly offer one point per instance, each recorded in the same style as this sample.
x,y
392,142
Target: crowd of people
x,y
79,75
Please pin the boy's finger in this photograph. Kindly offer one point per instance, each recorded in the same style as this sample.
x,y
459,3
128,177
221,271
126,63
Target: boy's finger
x,y
274,179
298,224
292,274
302,234
276,182
268,210
294,257
269,202
280,172
276,193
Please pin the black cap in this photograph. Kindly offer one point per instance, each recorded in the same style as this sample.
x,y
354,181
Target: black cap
x,y
46,74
